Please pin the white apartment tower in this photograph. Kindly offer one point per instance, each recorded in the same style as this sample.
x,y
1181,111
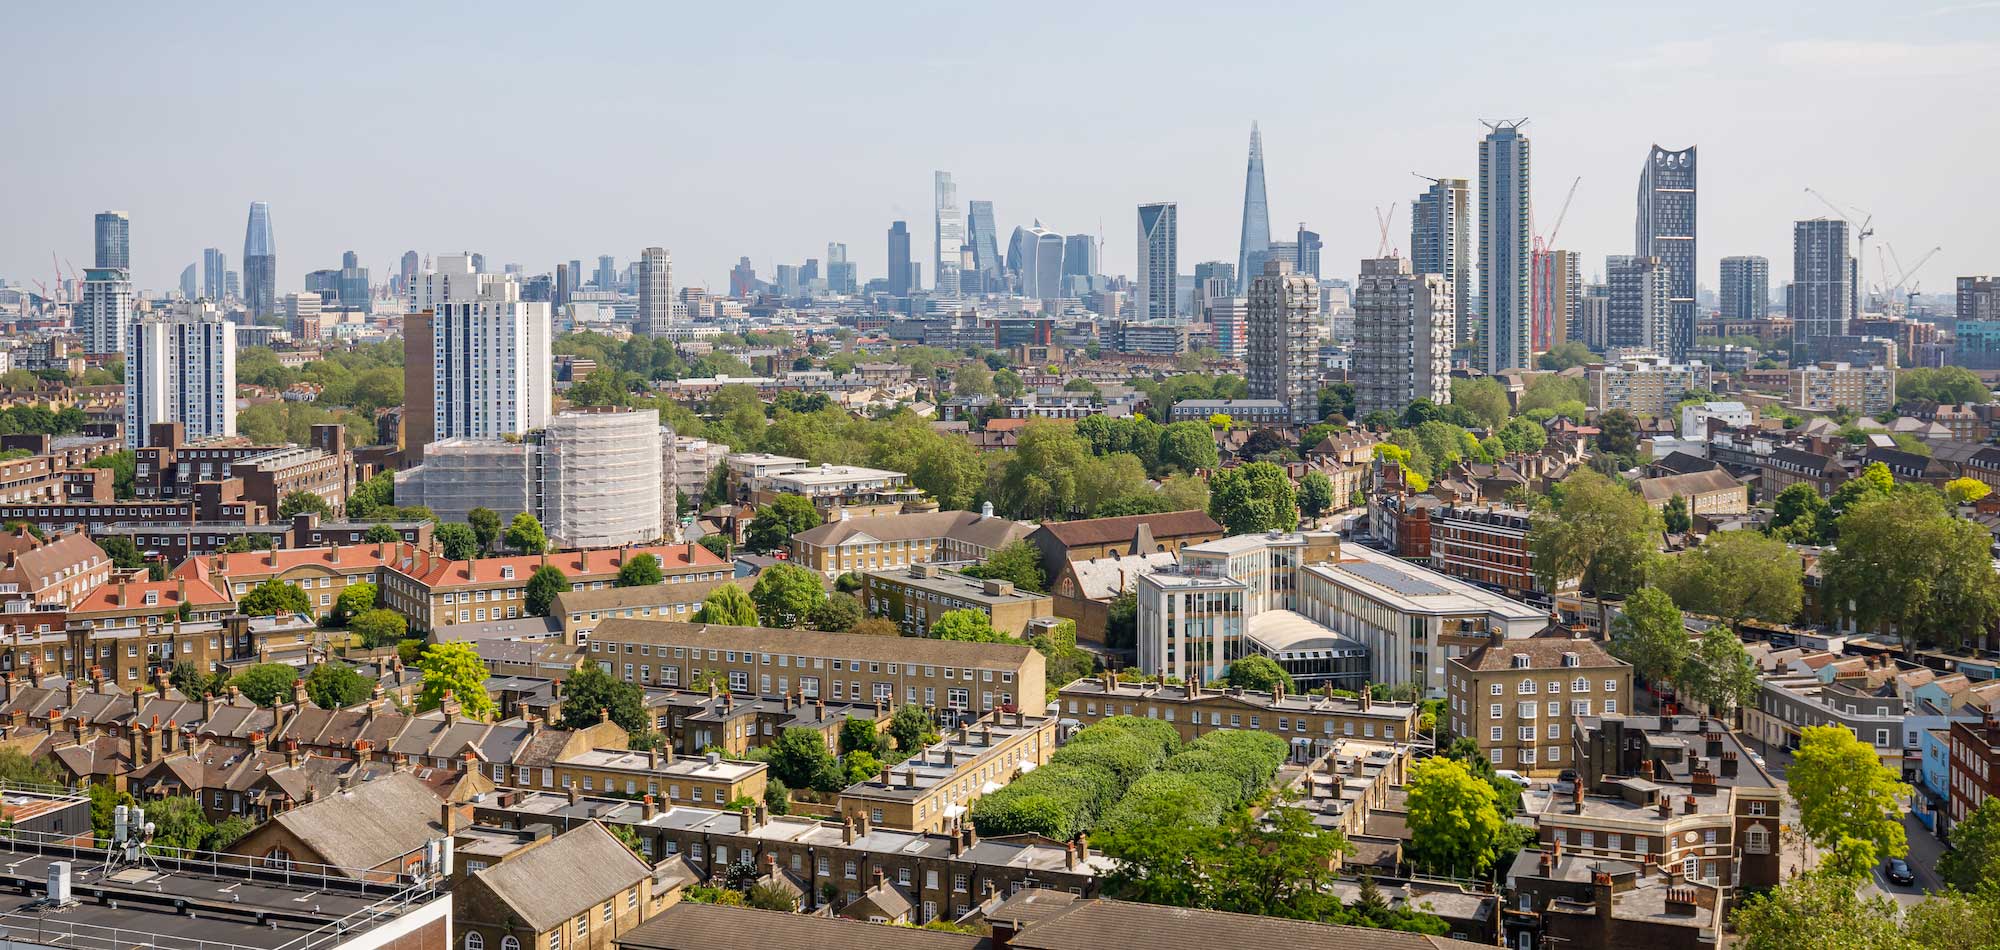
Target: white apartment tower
x,y
489,352
654,272
1506,248
1159,261
181,367
105,310
1404,330
1284,340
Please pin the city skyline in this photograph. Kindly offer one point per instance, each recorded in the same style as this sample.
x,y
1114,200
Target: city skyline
x,y
1647,87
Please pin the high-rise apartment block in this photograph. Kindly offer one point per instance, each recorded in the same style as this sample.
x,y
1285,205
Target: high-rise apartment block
x,y
1283,352
1978,298
1230,318
1159,260
478,352
1441,243
950,232
1641,314
1564,272
1834,386
900,283
1080,255
104,311
214,268
1746,288
1664,228
180,366
1506,246
1256,239
114,240
260,263
1649,386
1403,335
1821,300
655,274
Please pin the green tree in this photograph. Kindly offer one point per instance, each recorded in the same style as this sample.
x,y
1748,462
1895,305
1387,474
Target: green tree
x,y
1523,435
1843,791
1019,562
274,597
179,824
354,599
1260,673
859,735
1737,576
1675,516
1618,435
775,523
1315,495
1455,827
192,681
543,586
640,570
370,495
1949,385
1903,561
123,553
1253,498
337,686
379,628
1279,864
1651,636
19,768
765,895
1799,515
838,614
1964,491
459,541
1720,674
266,684
1973,861
1563,356
590,689
1816,910
454,668
786,595
1188,447
525,535
716,544
124,469
727,606
381,534
485,524
912,728
968,625
1597,530
1485,398
303,502
798,757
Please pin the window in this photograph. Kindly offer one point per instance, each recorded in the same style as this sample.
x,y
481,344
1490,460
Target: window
x,y
1493,711
1495,690
1757,808
473,941
1611,686
582,927
509,943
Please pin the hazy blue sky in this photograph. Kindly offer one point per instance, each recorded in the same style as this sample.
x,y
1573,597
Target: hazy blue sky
x,y
541,132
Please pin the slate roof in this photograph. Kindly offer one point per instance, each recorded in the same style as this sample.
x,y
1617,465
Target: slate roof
x,y
369,825
564,876
691,926
1170,524
1118,925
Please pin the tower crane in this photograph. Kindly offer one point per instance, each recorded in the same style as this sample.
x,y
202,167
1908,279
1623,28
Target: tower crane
x,y
1544,275
1903,276
1862,233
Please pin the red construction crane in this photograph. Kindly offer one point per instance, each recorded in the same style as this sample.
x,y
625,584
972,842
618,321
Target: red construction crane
x,y
1544,276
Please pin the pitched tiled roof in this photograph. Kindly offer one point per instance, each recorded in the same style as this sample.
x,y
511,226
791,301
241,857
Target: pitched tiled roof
x,y
691,926
967,526
594,562
564,876
1544,653
1170,524
129,594
338,558
1688,485
368,825
808,642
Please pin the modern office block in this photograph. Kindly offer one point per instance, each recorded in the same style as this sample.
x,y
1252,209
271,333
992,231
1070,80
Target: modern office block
x,y
1159,260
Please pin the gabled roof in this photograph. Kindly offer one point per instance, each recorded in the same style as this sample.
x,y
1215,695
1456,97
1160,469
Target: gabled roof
x,y
368,825
1171,524
1122,925
1104,577
597,562
126,595
1688,485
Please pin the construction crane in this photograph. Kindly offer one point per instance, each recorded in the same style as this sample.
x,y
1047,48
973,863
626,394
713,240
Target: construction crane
x,y
1544,275
1903,276
1862,233
1382,222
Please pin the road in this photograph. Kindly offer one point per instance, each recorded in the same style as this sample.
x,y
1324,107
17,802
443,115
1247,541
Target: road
x,y
1924,846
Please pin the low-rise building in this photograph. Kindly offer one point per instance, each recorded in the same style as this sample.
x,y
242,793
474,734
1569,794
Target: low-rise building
x,y
1314,723
580,610
433,591
578,890
1489,546
1650,387
1707,493
1241,412
933,790
883,542
915,597
1975,764
1063,541
1519,699
57,573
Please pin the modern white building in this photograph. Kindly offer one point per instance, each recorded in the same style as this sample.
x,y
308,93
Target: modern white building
x,y
654,271
490,352
1694,419
104,311
1403,337
948,223
180,366
1197,617
1283,331
1506,247
1441,243
1159,261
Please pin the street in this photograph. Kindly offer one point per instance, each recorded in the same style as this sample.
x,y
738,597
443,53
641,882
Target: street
x,y
1924,846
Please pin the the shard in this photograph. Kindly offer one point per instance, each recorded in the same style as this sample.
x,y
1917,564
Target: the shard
x,y
1256,215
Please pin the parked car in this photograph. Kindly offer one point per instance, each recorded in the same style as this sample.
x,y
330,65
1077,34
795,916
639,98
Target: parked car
x,y
1513,776
1897,871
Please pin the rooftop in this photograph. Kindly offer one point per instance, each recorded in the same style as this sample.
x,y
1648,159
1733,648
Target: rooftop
x,y
937,580
714,769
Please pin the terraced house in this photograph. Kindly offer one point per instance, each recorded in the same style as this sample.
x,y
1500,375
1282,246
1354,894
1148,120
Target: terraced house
x,y
435,591
963,680
883,542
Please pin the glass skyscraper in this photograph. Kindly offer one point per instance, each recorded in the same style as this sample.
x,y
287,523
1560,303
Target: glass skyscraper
x,y
1664,229
1256,214
1159,253
1441,243
950,233
985,243
1506,247
260,262
114,240
899,259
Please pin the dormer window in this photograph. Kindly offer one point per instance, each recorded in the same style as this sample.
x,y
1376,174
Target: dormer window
x,y
1520,661
152,598
506,573
1571,659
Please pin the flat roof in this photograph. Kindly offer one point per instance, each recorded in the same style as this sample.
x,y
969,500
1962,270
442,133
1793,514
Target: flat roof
x,y
629,760
1288,631
1417,589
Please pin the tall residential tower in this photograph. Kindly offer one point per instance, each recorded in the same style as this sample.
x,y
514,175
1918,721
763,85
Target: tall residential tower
x,y
1403,335
1746,288
114,240
1441,243
180,366
1283,331
655,274
1664,229
1506,245
950,232
1159,258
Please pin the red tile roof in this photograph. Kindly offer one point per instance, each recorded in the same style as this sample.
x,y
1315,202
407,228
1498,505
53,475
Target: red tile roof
x,y
596,562
345,557
130,594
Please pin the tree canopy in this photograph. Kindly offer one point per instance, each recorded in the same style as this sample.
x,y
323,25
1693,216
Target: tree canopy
x,y
786,595
455,668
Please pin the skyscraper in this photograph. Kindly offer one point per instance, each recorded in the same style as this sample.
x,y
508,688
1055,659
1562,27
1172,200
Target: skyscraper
x,y
1441,243
485,360
607,273
899,259
1283,358
655,273
190,283
180,366
985,245
214,271
104,311
478,262
1641,315
1664,228
1080,255
1159,251
1256,212
1403,336
1565,274
1041,262
1821,301
260,266
406,273
114,240
1505,323
1746,288
949,225
840,270
1309,246
565,285
351,285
